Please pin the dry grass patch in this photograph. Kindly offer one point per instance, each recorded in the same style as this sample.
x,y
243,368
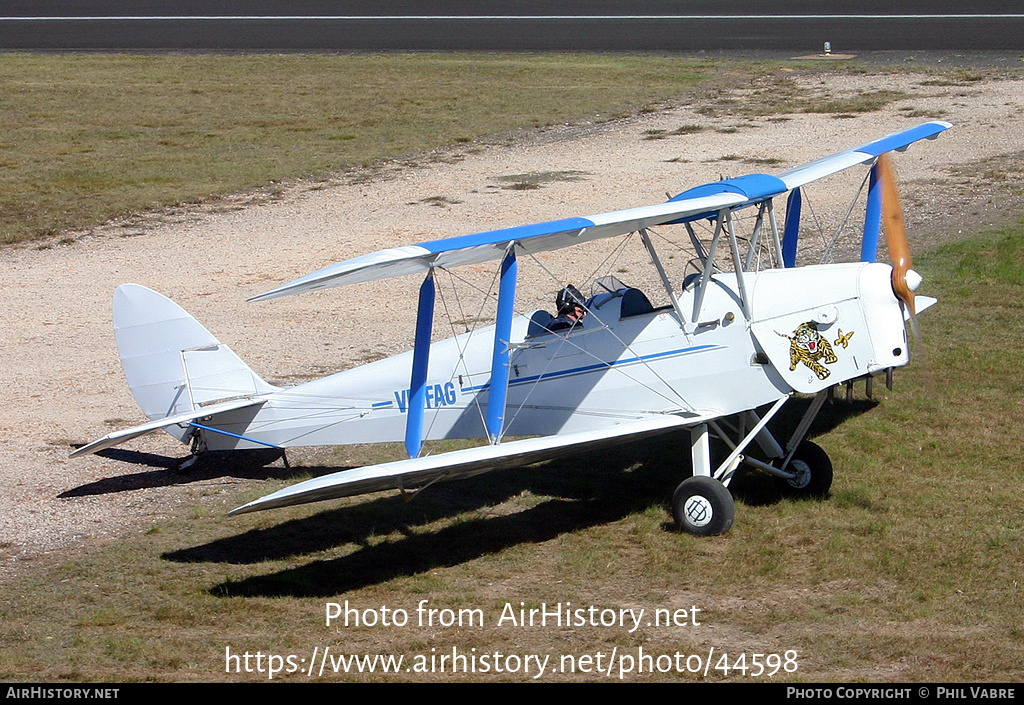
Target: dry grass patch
x,y
90,137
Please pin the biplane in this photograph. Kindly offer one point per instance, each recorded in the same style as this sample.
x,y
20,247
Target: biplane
x,y
728,346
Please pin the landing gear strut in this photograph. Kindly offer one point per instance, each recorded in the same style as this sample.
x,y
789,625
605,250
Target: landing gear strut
x,y
197,450
702,505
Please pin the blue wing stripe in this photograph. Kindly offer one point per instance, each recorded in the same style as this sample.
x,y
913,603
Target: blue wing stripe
x,y
505,235
756,187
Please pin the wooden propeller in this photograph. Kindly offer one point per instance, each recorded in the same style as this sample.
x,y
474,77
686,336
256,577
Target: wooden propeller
x,y
896,237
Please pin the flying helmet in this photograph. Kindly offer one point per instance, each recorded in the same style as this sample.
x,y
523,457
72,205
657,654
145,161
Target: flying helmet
x,y
567,298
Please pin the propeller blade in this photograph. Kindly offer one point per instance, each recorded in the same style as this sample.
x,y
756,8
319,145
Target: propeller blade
x,y
896,236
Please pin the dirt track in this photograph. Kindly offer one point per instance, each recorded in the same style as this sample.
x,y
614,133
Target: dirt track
x,y
61,374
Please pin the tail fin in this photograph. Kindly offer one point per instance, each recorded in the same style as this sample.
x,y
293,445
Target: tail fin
x,y
172,363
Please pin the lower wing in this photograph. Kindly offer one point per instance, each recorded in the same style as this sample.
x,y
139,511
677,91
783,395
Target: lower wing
x,y
417,472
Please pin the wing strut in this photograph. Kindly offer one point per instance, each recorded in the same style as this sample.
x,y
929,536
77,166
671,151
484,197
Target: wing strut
x,y
709,266
420,359
755,236
645,238
737,265
724,225
502,336
872,217
792,232
776,243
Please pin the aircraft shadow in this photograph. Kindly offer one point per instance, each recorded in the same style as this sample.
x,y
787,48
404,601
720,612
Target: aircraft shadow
x,y
588,490
358,523
585,491
240,463
418,553
832,414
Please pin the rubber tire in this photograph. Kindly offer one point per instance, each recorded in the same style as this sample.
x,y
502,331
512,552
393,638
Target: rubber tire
x,y
703,506
816,480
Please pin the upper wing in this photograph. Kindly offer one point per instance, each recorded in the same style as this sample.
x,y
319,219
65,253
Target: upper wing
x,y
417,472
834,163
118,437
492,245
552,235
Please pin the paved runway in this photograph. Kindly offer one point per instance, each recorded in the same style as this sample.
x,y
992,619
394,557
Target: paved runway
x,y
797,26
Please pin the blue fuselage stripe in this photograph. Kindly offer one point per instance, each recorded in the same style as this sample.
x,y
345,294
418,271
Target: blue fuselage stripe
x,y
233,435
597,366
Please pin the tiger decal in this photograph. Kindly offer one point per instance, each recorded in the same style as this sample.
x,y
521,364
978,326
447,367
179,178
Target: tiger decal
x,y
807,346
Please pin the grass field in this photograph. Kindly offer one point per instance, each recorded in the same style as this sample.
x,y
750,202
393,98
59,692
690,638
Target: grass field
x,y
909,572
87,138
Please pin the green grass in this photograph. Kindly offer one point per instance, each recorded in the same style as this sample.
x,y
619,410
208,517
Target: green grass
x,y
86,138
89,137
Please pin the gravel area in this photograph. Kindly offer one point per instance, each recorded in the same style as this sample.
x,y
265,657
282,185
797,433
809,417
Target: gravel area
x,y
61,372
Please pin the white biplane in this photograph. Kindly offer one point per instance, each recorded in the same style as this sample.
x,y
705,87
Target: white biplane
x,y
719,360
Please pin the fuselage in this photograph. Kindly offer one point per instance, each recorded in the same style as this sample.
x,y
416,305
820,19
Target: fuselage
x,y
626,361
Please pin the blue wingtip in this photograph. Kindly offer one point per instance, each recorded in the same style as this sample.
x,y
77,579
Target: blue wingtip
x,y
902,140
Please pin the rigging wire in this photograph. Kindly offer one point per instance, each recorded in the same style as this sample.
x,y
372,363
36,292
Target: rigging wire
x,y
828,255
471,330
627,347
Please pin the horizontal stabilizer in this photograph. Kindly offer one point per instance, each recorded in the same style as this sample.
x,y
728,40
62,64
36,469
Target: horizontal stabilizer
x,y
417,472
118,437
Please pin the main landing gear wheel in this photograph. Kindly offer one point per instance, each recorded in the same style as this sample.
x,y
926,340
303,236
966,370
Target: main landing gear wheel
x,y
703,506
813,472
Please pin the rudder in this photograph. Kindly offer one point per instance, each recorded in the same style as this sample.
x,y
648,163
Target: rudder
x,y
172,363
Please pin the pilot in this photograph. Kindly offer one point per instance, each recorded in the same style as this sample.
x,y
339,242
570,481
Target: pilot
x,y
571,309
